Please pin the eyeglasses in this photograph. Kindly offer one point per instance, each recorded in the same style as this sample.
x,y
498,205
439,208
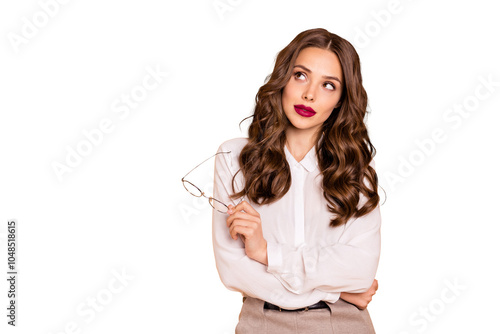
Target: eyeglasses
x,y
195,191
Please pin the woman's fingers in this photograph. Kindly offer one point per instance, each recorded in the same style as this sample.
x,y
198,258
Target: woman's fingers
x,y
245,221
243,230
374,287
245,206
242,223
241,215
251,225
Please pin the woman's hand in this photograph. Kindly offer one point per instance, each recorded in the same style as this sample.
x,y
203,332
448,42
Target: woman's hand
x,y
362,299
245,221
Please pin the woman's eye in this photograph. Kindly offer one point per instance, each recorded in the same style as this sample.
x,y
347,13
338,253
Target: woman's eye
x,y
329,85
298,75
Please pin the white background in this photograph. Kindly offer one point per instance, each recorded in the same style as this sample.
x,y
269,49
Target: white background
x,y
123,207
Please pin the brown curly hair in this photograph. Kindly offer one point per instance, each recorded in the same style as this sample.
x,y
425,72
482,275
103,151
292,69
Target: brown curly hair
x,y
343,155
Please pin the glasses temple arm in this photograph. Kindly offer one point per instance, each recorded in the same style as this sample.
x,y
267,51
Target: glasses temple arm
x,y
202,163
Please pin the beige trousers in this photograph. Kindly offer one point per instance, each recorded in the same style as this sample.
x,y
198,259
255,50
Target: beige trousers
x,y
340,318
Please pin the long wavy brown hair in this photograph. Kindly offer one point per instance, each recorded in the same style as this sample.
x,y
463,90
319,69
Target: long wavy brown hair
x,y
343,154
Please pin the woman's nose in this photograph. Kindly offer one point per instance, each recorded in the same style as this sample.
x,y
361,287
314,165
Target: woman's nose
x,y
308,93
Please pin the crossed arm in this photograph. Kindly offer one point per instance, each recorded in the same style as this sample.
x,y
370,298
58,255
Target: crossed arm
x,y
244,222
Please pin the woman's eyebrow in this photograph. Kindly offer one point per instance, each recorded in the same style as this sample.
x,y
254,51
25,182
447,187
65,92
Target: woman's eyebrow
x,y
324,76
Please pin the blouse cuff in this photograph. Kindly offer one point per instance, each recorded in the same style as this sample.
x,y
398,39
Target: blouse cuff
x,y
274,257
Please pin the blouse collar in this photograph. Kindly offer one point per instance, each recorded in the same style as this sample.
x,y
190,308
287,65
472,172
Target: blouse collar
x,y
309,162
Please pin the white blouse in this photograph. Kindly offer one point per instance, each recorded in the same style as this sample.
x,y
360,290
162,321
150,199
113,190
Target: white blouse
x,y
308,260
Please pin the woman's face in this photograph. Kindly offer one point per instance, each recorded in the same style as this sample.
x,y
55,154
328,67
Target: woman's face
x,y
314,89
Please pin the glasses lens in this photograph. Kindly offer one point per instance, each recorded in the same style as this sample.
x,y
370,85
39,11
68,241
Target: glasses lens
x,y
219,206
193,190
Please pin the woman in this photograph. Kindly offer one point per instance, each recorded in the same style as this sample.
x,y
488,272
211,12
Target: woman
x,y
301,236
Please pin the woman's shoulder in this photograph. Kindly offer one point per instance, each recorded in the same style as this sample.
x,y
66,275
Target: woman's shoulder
x,y
233,149
234,145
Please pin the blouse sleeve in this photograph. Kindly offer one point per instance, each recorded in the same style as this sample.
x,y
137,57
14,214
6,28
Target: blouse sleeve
x,y
237,271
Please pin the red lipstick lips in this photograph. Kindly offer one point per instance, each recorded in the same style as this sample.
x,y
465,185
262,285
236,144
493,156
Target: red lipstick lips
x,y
302,110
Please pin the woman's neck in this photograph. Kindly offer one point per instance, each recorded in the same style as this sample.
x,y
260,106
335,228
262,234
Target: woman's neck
x,y
299,142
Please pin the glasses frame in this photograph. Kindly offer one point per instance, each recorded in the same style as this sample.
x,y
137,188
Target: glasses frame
x,y
210,199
